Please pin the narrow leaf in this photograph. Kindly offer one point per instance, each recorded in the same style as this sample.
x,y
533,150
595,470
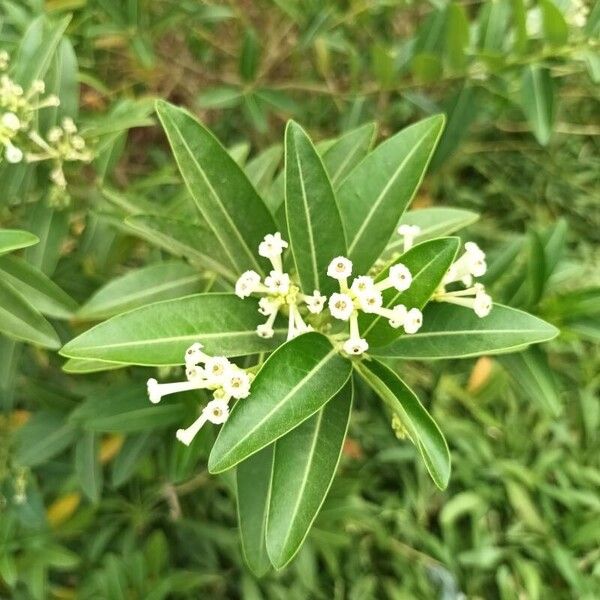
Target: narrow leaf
x,y
13,239
87,466
254,476
21,321
314,224
538,101
451,331
376,193
294,383
159,333
305,463
41,292
419,424
226,199
193,241
162,281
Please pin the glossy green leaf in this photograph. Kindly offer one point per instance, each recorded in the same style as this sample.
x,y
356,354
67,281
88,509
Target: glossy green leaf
x,y
21,321
13,239
422,430
193,241
538,101
428,263
41,292
531,372
159,333
451,331
347,151
305,463
315,227
87,466
162,281
226,199
254,477
294,383
377,191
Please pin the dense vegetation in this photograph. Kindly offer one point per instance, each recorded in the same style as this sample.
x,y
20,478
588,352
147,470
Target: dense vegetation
x,y
97,500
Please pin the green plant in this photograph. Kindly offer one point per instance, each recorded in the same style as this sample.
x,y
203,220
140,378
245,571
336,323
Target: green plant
x,y
286,430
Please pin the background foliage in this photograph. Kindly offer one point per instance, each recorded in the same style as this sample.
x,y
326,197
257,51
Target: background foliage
x,y
97,500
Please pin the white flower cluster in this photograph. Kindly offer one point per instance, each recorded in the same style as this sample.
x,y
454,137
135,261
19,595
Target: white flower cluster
x,y
215,373
18,109
365,295
577,13
470,264
63,145
279,291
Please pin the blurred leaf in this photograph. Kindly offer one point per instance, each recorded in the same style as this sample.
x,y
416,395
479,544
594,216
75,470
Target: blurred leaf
x,y
87,466
13,239
249,55
538,101
554,24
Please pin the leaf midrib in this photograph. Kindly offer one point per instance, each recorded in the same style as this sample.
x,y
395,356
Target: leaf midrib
x,y
312,373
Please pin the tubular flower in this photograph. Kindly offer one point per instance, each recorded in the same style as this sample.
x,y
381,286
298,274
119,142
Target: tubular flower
x,y
215,373
409,233
471,264
365,295
279,291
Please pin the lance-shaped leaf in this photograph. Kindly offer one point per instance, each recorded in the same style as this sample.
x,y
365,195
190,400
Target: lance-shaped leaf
x,y
451,331
226,199
41,292
531,372
433,222
13,239
254,477
428,263
538,101
193,241
159,333
81,366
376,193
305,463
314,223
418,423
162,281
339,156
19,320
294,383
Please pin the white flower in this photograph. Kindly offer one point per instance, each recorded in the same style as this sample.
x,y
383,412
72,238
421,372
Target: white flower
x,y
54,134
236,383
267,306
355,346
371,302
157,390
470,264
217,411
11,121
196,374
409,233
482,304
247,284
413,320
362,285
272,245
397,316
341,306
400,277
316,302
194,354
264,330
38,87
340,268
13,154
216,368
278,283
69,126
